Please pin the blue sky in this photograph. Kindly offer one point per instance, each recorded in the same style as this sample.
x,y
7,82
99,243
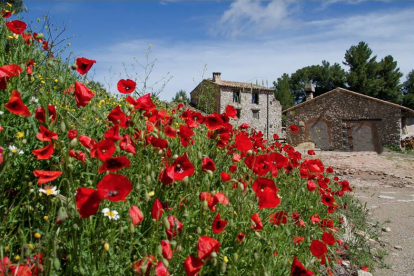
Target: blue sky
x,y
244,40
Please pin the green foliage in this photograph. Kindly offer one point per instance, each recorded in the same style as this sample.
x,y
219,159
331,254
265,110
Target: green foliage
x,y
181,97
16,5
206,97
408,91
282,92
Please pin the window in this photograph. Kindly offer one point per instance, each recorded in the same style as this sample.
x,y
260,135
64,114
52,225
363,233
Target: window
x,y
255,98
238,113
255,114
236,97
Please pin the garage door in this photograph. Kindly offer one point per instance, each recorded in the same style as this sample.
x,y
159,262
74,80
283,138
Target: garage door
x,y
363,135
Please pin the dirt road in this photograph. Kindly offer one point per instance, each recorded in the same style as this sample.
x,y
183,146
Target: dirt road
x,y
386,183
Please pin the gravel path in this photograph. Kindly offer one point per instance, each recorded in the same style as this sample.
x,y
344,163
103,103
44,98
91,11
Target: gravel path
x,y
385,183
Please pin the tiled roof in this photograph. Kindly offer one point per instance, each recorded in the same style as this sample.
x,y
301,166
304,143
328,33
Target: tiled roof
x,y
339,89
236,84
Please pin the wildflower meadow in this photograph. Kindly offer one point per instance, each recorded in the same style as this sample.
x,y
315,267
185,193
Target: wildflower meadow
x,y
93,184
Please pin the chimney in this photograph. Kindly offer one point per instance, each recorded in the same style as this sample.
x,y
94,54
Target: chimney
x,y
216,76
309,89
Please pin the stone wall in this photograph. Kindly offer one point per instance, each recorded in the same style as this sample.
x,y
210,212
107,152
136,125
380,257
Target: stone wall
x,y
343,121
273,117
408,125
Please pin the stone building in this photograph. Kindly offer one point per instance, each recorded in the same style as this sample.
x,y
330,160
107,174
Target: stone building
x,y
255,104
348,121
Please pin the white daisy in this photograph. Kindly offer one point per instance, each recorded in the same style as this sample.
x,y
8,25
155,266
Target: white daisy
x,y
34,100
15,150
111,214
1,112
49,190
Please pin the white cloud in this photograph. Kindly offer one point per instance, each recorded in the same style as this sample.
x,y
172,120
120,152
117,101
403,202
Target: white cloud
x,y
265,59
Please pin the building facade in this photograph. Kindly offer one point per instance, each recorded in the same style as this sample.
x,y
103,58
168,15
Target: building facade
x,y
255,104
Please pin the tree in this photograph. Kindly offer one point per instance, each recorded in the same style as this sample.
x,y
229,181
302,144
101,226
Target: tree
x,y
283,93
16,5
408,91
181,96
389,80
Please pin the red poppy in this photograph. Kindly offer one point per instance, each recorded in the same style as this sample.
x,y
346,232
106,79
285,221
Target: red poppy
x,y
46,176
213,121
329,170
161,270
84,65
72,134
256,222
103,150
167,252
16,105
240,237
115,187
143,266
159,143
87,142
225,176
206,246
20,270
175,227
114,164
7,72
208,164
315,165
157,210
183,167
327,199
192,265
117,116
44,153
127,144
143,103
315,218
231,111
278,218
328,238
170,132
311,186
87,201
266,191
298,269
218,224
113,134
167,175
41,115
16,26
126,86
6,14
243,142
311,152
46,135
293,128
82,94
319,250
136,215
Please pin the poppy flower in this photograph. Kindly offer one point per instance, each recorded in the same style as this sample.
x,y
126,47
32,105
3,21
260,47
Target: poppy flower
x,y
218,224
157,210
44,153
192,265
126,86
46,135
87,142
315,165
266,191
16,105
278,218
256,222
298,269
243,142
319,250
225,176
161,270
327,199
103,150
328,238
87,201
208,164
170,132
46,176
41,115
7,72
293,128
84,65
159,143
115,187
135,215
143,103
311,186
231,112
167,252
16,26
21,269
113,134
175,227
114,164
117,116
183,167
72,134
240,237
127,144
206,246
6,14
143,266
315,218
311,152
213,121
82,94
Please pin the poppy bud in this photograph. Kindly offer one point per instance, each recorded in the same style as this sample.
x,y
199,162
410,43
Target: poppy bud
x,y
235,257
74,67
173,244
204,205
249,152
214,260
138,186
147,197
75,226
159,249
24,141
256,255
209,172
199,230
82,271
175,156
223,267
231,223
185,180
179,248
213,254
39,36
257,234
60,80
186,214
148,179
166,223
153,175
165,262
73,143
131,228
155,135
143,268
62,126
70,167
56,263
199,155
160,152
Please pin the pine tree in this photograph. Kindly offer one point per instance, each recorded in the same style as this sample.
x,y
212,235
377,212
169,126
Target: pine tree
x,y
282,92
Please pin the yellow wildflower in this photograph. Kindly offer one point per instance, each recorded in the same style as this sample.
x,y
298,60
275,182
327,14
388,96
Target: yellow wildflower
x,y
20,134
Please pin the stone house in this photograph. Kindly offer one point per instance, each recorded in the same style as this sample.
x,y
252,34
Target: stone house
x,y
255,104
348,121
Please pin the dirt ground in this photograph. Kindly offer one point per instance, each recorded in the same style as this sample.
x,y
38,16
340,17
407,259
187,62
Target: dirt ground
x,y
385,182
